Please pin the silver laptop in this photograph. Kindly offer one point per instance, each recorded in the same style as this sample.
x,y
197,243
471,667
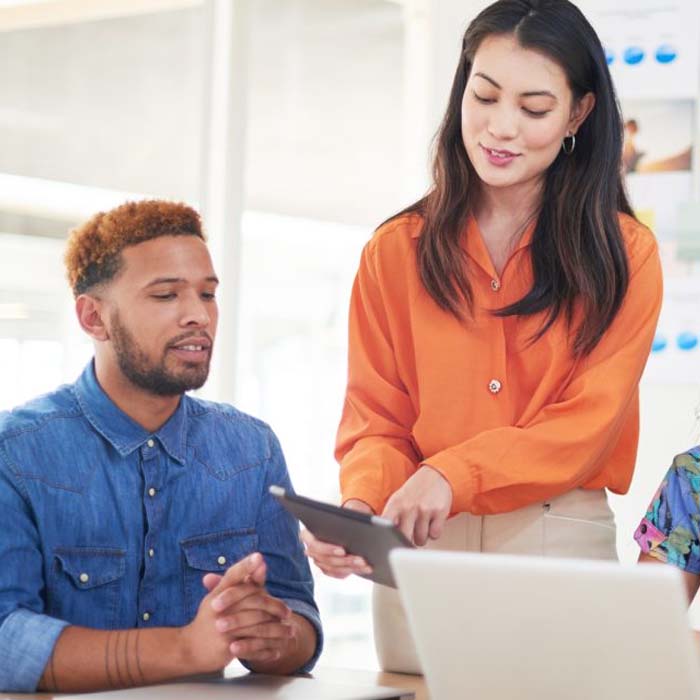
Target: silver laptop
x,y
497,627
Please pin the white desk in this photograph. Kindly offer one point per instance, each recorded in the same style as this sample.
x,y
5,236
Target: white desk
x,y
293,687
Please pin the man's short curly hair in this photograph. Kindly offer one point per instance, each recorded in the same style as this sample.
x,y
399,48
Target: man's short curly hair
x,y
93,253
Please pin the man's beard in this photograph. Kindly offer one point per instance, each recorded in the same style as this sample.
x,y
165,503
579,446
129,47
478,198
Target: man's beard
x,y
153,377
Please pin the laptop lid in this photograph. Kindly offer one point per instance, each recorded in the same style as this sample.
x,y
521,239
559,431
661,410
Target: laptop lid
x,y
495,626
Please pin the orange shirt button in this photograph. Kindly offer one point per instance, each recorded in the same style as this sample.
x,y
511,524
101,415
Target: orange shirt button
x,y
494,386
495,285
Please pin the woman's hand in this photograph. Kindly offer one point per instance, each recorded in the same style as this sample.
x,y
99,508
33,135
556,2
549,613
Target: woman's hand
x,y
334,560
421,506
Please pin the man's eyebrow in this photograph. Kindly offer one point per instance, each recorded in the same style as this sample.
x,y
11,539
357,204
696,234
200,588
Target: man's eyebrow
x,y
177,280
529,93
165,280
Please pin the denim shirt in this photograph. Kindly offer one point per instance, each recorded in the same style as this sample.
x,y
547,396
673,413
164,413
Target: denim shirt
x,y
108,526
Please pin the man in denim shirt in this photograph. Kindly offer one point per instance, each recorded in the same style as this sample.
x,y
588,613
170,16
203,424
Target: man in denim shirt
x,y
138,540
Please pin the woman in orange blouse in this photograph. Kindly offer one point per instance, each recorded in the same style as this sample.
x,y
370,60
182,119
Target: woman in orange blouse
x,y
499,326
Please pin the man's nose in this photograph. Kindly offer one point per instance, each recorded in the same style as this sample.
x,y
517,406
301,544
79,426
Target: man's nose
x,y
196,313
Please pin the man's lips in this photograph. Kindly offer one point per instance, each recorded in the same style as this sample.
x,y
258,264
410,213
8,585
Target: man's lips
x,y
192,349
199,342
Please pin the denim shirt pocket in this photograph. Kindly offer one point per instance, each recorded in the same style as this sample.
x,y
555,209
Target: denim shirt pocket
x,y
86,585
211,553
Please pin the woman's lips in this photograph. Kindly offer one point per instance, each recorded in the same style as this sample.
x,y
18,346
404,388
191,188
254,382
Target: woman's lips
x,y
499,157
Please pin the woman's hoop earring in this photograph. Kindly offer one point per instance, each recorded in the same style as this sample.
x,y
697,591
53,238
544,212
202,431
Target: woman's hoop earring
x,y
569,149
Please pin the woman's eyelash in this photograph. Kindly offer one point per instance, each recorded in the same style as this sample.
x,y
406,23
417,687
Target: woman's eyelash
x,y
531,112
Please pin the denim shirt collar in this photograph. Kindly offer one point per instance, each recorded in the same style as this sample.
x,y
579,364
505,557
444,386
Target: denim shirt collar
x,y
121,431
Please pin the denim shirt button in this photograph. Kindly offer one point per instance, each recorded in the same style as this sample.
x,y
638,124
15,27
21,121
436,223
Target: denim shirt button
x,y
84,578
151,492
221,560
151,443
146,617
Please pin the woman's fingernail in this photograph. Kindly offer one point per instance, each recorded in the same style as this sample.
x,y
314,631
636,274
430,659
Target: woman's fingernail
x,y
221,625
357,561
339,551
217,604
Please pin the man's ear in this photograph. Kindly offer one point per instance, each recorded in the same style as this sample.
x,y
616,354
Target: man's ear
x,y
91,311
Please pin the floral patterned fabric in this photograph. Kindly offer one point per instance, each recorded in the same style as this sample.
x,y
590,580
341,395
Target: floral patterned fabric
x,y
670,530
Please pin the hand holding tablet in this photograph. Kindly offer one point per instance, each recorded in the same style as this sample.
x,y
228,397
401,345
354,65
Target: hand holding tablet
x,y
332,559
336,531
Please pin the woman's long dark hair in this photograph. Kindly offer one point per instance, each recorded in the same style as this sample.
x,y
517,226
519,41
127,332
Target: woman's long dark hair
x,y
578,255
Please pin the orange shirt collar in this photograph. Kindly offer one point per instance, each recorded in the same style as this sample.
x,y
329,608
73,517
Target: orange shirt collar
x,y
476,248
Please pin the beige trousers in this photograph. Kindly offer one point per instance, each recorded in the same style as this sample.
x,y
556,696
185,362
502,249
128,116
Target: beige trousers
x,y
578,524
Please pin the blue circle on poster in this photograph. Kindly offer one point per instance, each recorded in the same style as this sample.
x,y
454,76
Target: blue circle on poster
x,y
666,53
660,343
609,57
634,55
687,340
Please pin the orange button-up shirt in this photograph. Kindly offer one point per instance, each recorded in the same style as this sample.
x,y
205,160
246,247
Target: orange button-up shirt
x,y
506,421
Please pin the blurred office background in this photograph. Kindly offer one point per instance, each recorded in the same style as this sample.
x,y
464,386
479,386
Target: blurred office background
x,y
296,126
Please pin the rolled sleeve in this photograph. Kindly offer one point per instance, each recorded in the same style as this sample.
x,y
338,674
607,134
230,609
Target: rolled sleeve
x,y
27,636
27,640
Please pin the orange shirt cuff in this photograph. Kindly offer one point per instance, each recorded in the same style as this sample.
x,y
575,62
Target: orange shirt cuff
x,y
357,488
461,477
